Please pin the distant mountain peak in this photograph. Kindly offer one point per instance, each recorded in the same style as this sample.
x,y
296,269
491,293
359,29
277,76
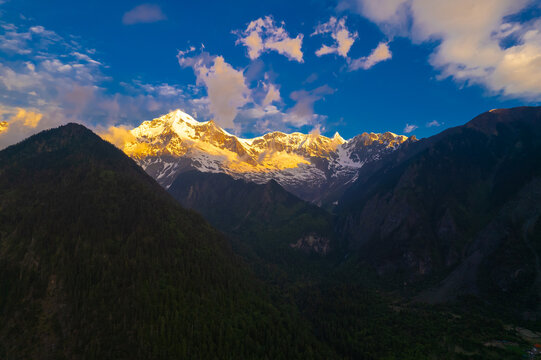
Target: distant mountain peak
x,y
304,164
337,137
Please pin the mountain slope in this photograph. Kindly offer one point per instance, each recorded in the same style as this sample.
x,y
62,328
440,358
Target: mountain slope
x,y
311,166
460,209
98,261
345,313
267,224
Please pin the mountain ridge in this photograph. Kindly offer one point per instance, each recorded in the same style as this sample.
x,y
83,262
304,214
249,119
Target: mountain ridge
x,y
310,166
457,212
98,261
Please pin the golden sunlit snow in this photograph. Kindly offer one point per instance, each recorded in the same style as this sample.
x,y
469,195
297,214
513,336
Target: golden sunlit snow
x,y
177,134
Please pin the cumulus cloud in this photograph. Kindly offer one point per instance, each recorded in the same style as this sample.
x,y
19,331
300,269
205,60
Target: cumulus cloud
x,y
343,38
379,54
390,15
272,95
40,88
260,112
243,109
479,42
145,13
433,123
117,135
302,113
226,87
57,81
16,41
410,128
52,80
26,118
263,35
162,89
11,117
16,122
4,126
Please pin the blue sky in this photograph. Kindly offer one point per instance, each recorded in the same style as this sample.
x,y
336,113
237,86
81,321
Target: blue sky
x,y
406,66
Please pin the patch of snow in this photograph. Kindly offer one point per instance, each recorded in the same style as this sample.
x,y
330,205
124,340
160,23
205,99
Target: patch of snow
x,y
344,158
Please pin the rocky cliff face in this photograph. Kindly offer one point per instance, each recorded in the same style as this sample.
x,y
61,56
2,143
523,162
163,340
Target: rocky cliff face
x,y
313,243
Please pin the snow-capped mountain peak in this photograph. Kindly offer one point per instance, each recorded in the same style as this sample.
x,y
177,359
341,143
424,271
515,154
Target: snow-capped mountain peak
x,y
305,164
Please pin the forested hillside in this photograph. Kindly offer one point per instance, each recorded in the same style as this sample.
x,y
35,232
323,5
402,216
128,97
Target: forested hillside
x,y
98,261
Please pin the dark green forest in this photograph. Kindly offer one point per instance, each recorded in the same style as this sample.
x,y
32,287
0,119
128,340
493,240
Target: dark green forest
x,y
97,261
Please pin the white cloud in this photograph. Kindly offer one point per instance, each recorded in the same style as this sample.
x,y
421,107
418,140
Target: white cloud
x,y
57,82
273,94
260,112
85,57
385,12
145,13
16,123
379,54
26,118
302,113
479,42
43,91
343,38
44,33
13,40
433,123
409,128
226,87
241,109
264,35
162,89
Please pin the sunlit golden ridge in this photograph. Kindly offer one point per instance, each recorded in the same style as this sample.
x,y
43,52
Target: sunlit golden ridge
x,y
178,134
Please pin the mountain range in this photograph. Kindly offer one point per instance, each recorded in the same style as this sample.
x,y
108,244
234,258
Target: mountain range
x,y
435,214
405,248
461,208
311,166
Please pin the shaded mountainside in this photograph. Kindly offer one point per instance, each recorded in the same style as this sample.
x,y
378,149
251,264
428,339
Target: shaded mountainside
x,y
264,221
98,261
344,311
458,212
